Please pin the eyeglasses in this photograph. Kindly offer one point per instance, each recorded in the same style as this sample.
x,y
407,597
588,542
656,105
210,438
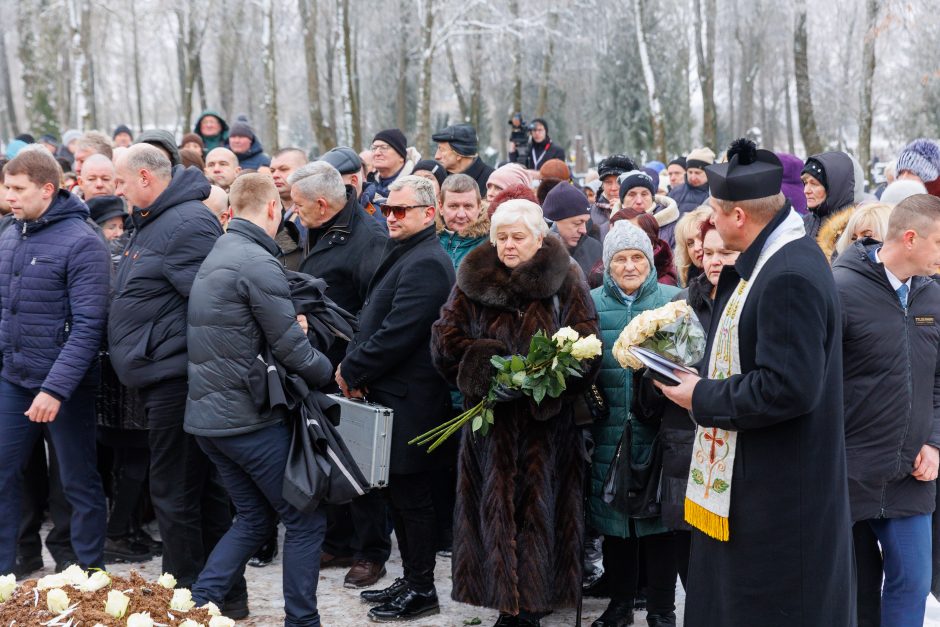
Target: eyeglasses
x,y
380,148
398,210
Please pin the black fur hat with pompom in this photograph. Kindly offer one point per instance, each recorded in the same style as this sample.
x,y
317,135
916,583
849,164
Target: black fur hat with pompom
x,y
749,173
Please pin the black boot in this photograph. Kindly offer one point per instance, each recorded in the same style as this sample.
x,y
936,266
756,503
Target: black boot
x,y
506,620
266,553
661,620
125,550
408,605
385,594
619,613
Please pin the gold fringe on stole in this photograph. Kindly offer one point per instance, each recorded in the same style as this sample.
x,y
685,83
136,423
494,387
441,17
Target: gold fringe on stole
x,y
705,521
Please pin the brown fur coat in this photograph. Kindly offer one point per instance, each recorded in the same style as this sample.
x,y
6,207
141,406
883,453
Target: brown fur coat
x,y
519,519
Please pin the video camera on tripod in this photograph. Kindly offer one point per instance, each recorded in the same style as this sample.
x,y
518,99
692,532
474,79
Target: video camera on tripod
x,y
519,135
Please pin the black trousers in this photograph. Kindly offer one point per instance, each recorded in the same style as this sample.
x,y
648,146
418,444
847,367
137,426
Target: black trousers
x,y
621,569
192,507
411,501
359,529
131,465
42,489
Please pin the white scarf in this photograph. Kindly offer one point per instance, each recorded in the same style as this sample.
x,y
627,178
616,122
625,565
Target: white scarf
x,y
708,491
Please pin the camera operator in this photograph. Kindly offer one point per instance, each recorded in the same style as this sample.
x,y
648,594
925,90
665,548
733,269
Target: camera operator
x,y
538,149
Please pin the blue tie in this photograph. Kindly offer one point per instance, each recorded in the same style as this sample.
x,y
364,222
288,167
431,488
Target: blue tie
x,y
902,295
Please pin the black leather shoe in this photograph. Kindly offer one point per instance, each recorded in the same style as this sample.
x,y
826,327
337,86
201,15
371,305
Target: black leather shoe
x,y
235,608
385,594
617,614
265,555
661,620
408,605
142,537
27,566
507,620
529,622
125,550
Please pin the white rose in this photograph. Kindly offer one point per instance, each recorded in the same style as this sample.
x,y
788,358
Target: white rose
x,y
116,605
190,623
221,621
565,334
586,348
182,600
212,608
51,581
141,619
74,575
57,601
98,580
7,586
167,580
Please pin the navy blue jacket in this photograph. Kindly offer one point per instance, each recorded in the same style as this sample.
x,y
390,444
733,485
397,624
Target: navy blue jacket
x,y
255,157
54,276
147,326
892,385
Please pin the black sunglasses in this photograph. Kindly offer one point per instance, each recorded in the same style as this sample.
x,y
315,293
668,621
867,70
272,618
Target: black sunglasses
x,y
398,210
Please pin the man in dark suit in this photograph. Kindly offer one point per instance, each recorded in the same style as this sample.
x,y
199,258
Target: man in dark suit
x,y
390,360
767,488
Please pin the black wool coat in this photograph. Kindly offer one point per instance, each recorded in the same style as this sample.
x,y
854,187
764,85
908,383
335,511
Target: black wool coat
x,y
345,253
892,385
390,356
519,518
790,557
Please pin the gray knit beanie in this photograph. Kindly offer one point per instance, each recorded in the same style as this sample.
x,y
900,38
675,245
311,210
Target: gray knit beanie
x,y
624,235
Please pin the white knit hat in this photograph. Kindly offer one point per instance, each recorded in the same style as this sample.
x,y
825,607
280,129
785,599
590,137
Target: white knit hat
x,y
624,235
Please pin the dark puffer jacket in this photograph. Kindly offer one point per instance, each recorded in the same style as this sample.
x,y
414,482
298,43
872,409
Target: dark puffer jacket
x,y
892,385
840,189
689,198
254,158
147,325
54,275
241,304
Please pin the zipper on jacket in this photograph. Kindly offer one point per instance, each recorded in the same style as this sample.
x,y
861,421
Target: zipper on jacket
x,y
910,393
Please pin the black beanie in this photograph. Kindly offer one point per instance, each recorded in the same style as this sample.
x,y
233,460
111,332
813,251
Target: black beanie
x,y
241,129
679,161
394,138
432,166
815,169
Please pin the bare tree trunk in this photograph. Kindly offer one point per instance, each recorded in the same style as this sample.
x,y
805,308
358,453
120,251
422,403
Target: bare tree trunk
x,y
201,85
270,77
423,138
324,134
649,78
705,55
804,96
351,79
138,90
516,59
462,103
476,85
9,104
866,112
542,106
788,106
401,94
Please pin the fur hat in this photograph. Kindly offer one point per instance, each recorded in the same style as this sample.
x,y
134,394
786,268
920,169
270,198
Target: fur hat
x,y
901,189
614,165
922,157
624,235
508,175
699,158
394,138
555,169
565,201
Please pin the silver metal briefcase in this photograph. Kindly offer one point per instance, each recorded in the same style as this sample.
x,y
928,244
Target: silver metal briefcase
x,y
366,428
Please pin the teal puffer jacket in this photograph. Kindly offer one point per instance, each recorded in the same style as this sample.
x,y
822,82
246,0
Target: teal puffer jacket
x,y
614,313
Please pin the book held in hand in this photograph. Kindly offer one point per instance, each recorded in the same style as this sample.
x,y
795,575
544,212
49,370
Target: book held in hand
x,y
660,367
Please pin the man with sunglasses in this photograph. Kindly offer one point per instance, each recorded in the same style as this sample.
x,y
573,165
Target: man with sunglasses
x,y
389,361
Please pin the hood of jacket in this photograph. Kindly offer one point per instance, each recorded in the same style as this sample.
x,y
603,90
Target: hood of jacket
x,y
832,229
64,205
161,139
215,114
840,182
666,210
186,185
255,149
486,280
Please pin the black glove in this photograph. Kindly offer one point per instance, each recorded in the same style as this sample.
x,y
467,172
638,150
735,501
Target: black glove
x,y
504,394
648,402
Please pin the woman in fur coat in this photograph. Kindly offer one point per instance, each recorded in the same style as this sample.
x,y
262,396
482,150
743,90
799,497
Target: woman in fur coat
x,y
519,518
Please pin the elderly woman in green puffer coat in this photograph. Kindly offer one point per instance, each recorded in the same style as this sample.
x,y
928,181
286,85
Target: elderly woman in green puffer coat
x,y
630,287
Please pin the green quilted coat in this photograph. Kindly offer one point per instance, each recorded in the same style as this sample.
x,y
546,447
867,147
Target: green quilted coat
x,y
614,313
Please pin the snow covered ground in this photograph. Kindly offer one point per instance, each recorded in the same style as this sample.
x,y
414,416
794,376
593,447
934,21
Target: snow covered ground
x,y
340,607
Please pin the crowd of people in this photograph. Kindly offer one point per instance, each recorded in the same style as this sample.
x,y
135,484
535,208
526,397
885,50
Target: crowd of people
x,y
144,279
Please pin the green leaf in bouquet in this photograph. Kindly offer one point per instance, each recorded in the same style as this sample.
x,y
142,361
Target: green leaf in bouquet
x,y
561,378
488,415
518,378
518,364
485,428
477,423
698,477
498,362
538,394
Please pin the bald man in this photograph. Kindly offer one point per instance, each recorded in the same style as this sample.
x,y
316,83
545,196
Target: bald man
x,y
222,167
282,166
217,202
97,177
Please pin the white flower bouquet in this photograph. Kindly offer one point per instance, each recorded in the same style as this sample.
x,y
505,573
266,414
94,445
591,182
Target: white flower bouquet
x,y
672,331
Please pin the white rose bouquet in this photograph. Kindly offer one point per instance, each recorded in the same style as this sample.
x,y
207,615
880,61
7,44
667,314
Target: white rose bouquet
x,y
672,331
539,374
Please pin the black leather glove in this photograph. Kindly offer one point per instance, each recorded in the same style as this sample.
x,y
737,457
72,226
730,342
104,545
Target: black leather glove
x,y
505,394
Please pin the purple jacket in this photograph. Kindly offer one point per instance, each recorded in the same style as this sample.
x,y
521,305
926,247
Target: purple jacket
x,y
54,282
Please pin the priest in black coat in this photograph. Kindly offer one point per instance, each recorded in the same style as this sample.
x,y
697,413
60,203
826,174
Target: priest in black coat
x,y
776,543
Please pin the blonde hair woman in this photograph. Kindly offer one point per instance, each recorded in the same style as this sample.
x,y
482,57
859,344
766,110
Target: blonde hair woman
x,y
688,252
869,220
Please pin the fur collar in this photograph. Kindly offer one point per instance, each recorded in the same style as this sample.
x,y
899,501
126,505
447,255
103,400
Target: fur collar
x,y
485,280
478,229
666,211
832,229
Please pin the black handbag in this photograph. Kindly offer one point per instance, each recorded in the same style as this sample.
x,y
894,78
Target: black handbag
x,y
590,406
634,488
